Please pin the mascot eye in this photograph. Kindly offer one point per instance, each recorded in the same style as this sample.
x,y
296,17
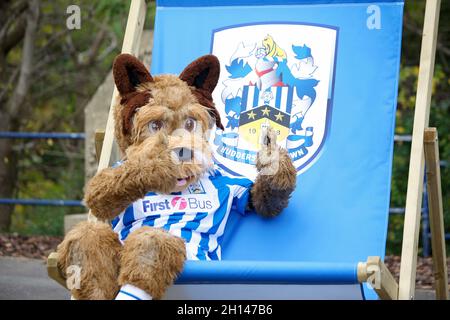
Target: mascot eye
x,y
155,125
190,124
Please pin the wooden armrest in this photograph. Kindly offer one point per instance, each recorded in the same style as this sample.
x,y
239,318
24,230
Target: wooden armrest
x,y
378,276
53,271
99,137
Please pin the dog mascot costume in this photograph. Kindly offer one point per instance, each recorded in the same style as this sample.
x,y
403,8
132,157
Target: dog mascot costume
x,y
166,200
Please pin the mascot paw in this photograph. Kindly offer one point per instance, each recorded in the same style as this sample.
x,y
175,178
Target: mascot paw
x,y
268,159
153,158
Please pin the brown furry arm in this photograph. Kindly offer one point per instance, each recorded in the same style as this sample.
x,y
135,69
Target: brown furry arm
x,y
276,179
111,190
146,169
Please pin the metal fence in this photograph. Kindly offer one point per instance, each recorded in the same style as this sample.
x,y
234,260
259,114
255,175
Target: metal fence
x,y
426,233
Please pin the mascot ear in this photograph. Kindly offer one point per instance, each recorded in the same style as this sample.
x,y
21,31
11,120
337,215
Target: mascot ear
x,y
202,73
128,73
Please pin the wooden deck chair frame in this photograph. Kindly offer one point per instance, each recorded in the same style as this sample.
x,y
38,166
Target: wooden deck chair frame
x,y
424,150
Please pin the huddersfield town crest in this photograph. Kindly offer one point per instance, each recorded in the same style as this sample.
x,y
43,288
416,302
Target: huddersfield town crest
x,y
279,75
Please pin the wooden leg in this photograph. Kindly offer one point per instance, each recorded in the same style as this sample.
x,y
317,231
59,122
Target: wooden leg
x,y
417,160
433,172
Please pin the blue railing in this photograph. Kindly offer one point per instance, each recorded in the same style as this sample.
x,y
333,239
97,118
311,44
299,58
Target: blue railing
x,y
426,234
42,202
41,135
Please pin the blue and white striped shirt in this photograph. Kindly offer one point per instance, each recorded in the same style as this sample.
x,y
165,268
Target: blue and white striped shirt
x,y
198,214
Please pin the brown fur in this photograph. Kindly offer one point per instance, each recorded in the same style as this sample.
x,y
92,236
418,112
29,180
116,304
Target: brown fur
x,y
95,248
194,86
271,191
205,99
166,96
131,103
203,74
151,260
128,73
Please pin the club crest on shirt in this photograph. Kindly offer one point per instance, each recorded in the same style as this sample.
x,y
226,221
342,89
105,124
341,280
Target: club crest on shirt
x,y
279,75
196,188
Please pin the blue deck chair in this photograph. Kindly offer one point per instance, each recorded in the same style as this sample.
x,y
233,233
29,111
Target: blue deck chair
x,y
338,214
328,73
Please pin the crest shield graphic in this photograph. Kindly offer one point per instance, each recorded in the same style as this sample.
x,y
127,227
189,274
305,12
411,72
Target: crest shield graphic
x,y
279,75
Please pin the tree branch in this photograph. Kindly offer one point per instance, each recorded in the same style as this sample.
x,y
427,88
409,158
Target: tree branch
x,y
415,29
9,14
26,67
8,85
13,37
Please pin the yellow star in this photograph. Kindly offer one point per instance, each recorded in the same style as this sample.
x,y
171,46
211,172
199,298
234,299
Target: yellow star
x,y
251,115
279,116
265,112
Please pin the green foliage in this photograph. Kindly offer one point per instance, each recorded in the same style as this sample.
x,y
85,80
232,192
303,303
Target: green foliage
x,y
47,174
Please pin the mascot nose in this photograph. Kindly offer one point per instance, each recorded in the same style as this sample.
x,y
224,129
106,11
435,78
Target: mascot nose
x,y
183,154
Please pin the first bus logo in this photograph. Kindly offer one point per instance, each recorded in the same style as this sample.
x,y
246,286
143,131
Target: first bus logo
x,y
178,203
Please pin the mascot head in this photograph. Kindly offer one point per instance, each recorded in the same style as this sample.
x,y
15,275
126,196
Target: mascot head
x,y
178,110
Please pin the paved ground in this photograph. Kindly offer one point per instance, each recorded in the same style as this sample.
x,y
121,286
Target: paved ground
x,y
26,279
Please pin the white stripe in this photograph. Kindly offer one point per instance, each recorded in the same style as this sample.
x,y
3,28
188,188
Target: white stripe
x,y
175,228
219,253
204,225
212,245
284,98
130,292
239,191
137,209
136,225
161,222
235,191
250,95
272,101
119,226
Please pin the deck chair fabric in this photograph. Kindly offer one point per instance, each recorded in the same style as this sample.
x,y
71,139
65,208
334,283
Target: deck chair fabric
x,y
330,69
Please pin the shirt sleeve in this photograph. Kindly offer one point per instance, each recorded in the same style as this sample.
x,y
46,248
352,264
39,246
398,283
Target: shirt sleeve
x,y
239,189
241,195
117,164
